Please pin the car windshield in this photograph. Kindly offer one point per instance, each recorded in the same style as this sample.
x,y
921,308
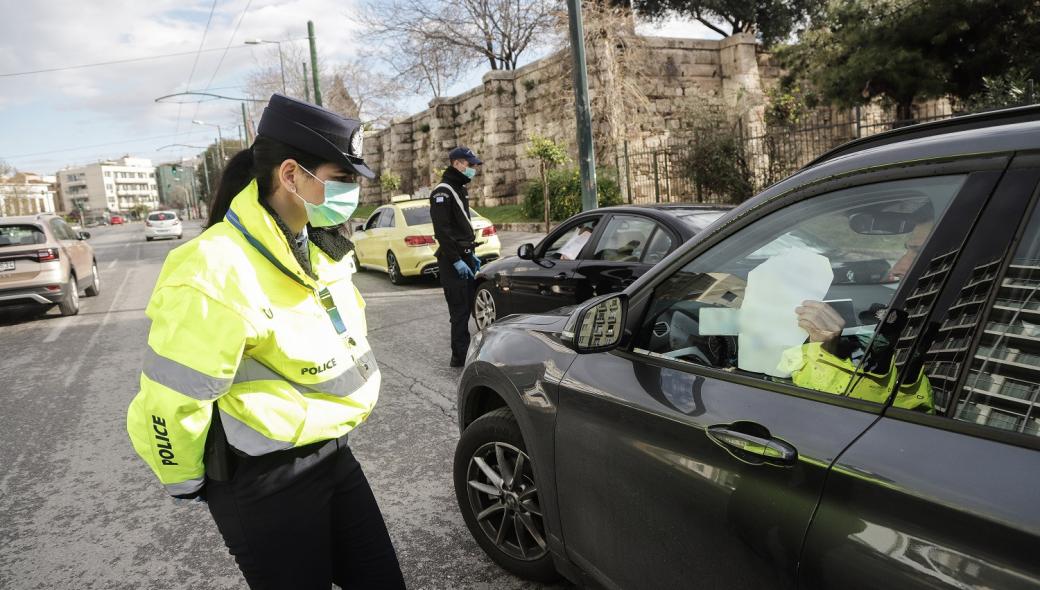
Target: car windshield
x,y
698,219
21,235
161,217
417,215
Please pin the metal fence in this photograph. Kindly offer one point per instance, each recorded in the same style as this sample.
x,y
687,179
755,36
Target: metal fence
x,y
662,174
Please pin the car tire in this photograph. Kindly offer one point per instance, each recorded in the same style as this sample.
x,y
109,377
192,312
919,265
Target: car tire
x,y
357,261
95,281
148,239
490,440
69,304
484,307
393,269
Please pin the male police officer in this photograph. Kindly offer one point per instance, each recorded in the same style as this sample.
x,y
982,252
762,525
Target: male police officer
x,y
457,261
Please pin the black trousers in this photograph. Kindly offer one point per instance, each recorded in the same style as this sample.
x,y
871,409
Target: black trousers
x,y
459,294
304,518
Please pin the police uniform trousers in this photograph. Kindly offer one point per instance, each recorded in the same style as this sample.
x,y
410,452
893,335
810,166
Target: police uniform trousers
x,y
459,294
304,518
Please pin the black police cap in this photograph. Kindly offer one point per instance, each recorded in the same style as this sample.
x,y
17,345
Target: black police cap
x,y
317,131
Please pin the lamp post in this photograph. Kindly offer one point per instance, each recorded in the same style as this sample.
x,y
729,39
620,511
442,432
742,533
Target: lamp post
x,y
220,140
281,60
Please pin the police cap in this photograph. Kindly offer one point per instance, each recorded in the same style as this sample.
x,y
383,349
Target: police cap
x,y
317,131
464,153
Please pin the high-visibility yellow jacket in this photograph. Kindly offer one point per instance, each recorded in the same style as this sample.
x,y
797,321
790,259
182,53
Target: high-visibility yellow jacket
x,y
238,327
813,367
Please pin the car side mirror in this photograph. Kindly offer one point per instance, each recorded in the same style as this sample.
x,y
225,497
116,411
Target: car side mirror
x,y
598,325
359,227
84,235
525,251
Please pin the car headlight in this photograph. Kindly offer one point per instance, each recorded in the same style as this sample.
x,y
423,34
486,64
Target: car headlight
x,y
474,345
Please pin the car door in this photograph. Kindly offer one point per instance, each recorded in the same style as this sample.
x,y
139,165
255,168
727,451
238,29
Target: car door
x,y
697,453
628,247
381,236
363,239
947,496
548,280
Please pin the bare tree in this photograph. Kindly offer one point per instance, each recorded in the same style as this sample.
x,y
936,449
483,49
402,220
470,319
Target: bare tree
x,y
7,169
376,94
424,66
498,31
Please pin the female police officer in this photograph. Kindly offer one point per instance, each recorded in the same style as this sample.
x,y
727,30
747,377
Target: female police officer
x,y
257,364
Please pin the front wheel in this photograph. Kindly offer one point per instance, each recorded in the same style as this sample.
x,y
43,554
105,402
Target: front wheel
x,y
498,496
69,305
484,308
394,269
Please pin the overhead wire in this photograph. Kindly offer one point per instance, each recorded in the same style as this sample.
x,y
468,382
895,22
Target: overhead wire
x,y
231,40
194,64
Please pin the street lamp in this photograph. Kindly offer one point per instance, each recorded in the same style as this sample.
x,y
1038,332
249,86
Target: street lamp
x,y
220,139
281,60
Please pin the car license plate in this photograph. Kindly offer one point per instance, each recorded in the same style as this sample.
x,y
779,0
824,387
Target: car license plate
x,y
6,265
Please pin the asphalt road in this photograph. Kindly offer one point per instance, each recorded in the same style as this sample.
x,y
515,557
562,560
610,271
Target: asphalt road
x,y
78,509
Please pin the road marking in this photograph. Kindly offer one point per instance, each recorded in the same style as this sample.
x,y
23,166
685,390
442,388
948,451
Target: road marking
x,y
74,371
59,327
111,265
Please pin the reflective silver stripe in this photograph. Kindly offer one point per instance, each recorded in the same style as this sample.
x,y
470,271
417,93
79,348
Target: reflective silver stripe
x,y
454,194
343,385
242,436
185,487
182,378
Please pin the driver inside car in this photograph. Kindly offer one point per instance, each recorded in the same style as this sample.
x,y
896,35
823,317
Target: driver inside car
x,y
825,362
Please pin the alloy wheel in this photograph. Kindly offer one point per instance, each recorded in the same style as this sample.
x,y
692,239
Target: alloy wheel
x,y
503,496
484,308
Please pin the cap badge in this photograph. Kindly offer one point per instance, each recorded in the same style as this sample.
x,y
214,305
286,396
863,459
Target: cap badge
x,y
356,141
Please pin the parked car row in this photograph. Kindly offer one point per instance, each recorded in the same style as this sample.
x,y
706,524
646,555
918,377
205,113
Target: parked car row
x,y
834,385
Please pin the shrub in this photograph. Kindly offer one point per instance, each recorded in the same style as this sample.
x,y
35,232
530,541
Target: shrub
x,y
565,194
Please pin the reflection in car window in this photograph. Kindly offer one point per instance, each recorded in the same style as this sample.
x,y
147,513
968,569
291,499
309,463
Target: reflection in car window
x,y
374,220
796,296
624,239
660,246
1002,389
417,215
387,218
20,235
568,245
698,220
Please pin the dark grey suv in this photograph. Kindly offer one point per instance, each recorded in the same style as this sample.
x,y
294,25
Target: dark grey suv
x,y
836,385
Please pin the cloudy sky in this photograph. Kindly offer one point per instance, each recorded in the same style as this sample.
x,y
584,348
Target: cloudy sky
x,y
74,115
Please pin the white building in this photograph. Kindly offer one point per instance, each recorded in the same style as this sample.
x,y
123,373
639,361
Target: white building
x,y
25,194
113,186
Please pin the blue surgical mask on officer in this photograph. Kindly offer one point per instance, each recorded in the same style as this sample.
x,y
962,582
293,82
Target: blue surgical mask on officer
x,y
341,199
470,172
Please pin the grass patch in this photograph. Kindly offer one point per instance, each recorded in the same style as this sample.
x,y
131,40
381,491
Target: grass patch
x,y
504,214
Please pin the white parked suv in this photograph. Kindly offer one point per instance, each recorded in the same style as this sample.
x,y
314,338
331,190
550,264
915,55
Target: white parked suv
x,y
162,224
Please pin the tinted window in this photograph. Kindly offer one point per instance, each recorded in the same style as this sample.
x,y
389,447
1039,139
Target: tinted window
x,y
1002,388
21,235
387,218
417,215
660,245
698,220
61,230
624,239
374,220
795,297
161,217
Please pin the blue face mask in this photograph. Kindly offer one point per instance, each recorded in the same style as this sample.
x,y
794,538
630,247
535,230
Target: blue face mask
x,y
341,199
470,172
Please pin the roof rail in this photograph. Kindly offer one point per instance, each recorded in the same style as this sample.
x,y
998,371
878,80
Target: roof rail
x,y
955,123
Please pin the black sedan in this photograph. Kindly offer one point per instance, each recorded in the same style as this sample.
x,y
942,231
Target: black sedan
x,y
596,252
836,385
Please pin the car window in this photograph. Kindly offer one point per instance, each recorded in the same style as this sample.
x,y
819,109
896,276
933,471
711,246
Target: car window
x,y
806,311
624,239
161,217
387,219
374,220
21,235
661,244
1002,387
417,215
698,219
569,244
59,230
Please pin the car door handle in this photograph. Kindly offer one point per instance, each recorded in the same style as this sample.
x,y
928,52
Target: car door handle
x,y
560,276
771,450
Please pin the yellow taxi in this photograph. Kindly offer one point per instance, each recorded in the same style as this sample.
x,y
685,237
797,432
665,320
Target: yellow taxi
x,y
398,239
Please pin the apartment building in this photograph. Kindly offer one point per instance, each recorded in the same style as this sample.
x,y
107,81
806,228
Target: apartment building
x,y
110,186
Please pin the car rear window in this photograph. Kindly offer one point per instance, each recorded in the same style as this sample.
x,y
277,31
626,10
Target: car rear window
x,y
698,220
417,215
21,235
161,217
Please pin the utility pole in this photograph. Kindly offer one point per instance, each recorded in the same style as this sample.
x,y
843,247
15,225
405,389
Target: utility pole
x,y
306,86
245,124
314,62
586,150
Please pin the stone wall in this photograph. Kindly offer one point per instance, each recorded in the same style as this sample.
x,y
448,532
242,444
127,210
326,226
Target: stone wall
x,y
638,90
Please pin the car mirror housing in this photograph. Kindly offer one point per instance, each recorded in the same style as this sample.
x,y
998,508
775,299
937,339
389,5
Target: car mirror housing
x,y
598,325
359,227
525,251
84,235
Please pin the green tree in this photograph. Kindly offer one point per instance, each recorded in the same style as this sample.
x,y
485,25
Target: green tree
x,y
904,50
770,20
549,155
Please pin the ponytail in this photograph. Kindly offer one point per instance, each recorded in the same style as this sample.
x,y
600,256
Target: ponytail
x,y
237,175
